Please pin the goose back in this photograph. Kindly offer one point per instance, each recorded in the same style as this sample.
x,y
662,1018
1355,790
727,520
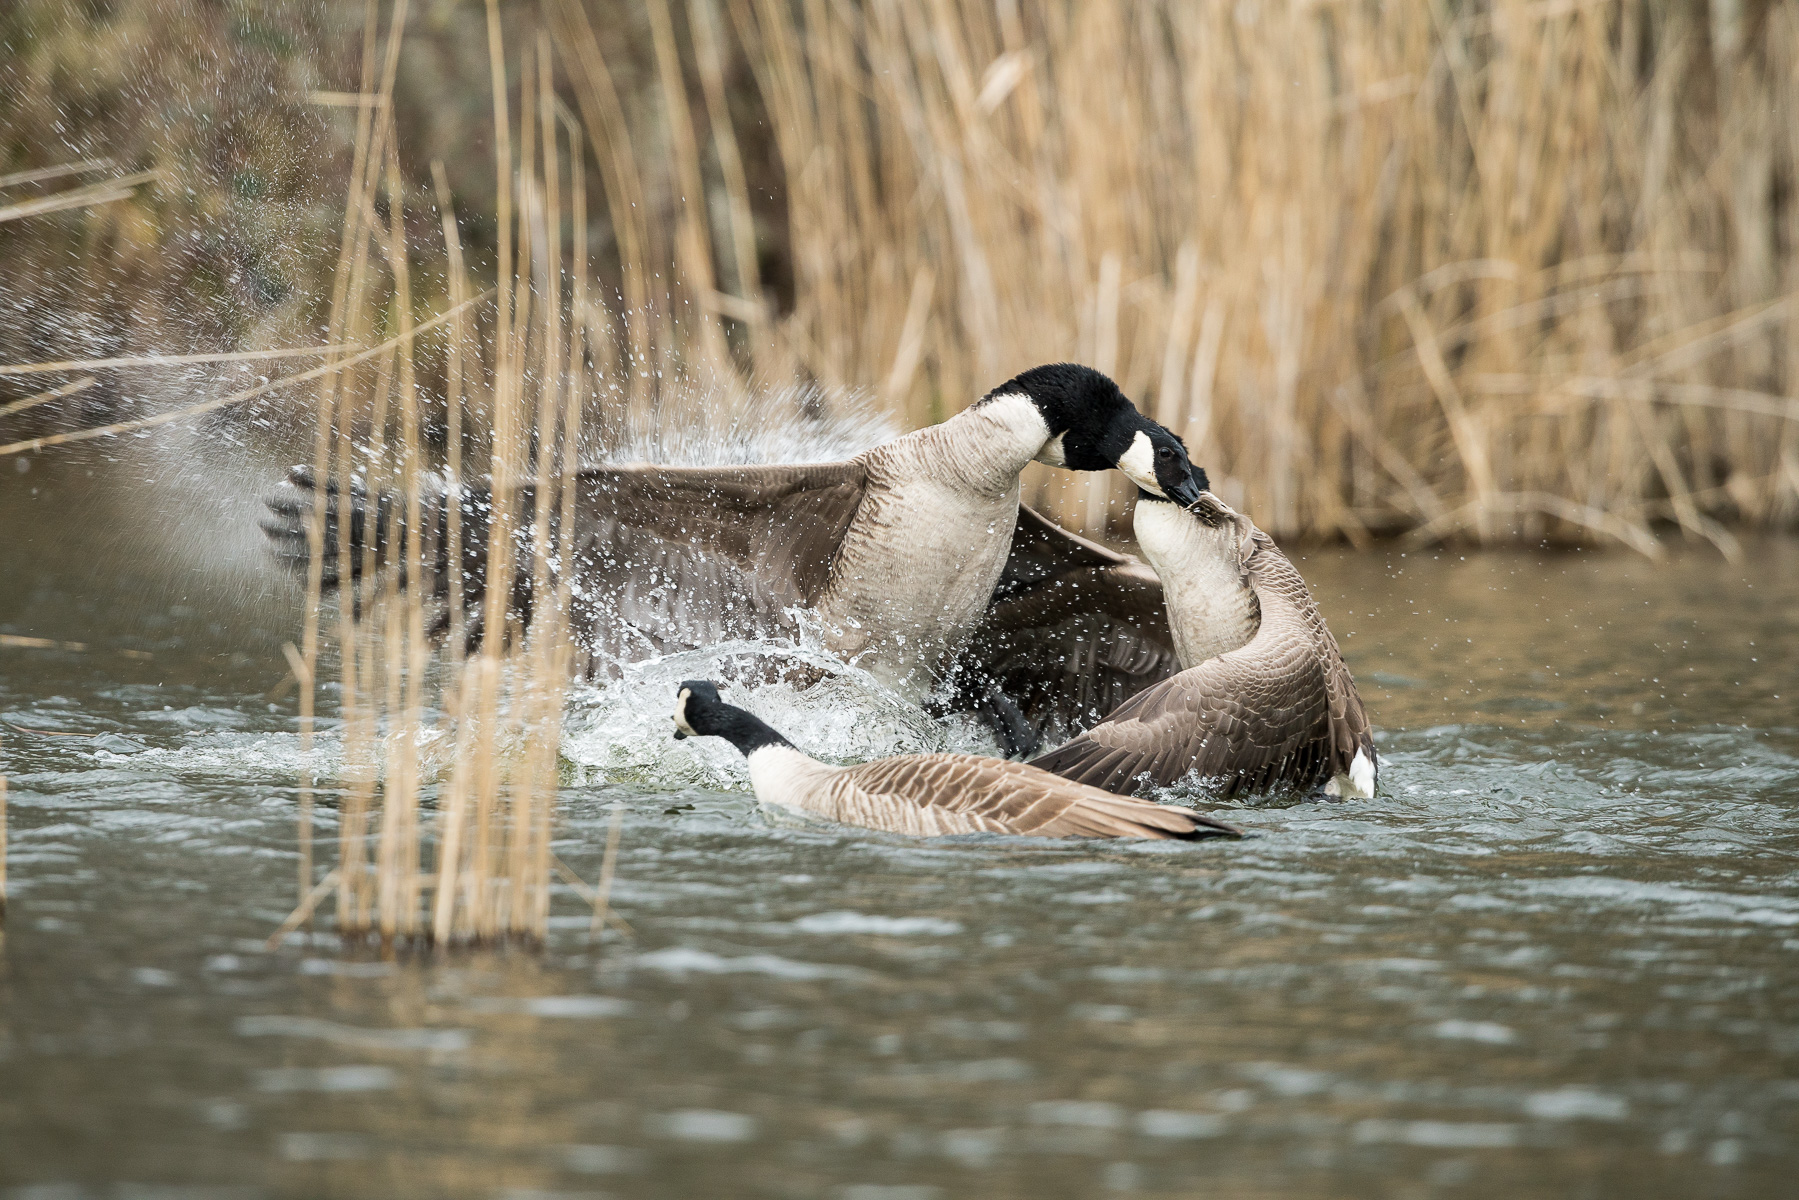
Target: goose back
x,y
934,794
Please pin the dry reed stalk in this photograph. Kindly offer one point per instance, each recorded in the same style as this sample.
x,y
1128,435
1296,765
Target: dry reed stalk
x,y
162,360
480,872
40,174
87,196
55,393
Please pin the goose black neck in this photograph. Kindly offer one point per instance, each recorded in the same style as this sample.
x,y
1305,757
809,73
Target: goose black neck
x,y
743,729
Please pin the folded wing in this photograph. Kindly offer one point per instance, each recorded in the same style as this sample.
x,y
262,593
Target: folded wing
x,y
931,794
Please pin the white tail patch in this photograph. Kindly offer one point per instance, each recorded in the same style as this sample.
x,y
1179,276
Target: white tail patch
x,y
1358,784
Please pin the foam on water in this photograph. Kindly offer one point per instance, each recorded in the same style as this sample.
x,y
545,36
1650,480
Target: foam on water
x,y
623,732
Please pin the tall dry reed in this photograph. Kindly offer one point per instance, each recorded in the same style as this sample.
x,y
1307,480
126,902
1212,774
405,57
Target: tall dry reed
x,y
466,861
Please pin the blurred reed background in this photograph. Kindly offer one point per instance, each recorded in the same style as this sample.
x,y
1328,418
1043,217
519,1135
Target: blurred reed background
x,y
1476,270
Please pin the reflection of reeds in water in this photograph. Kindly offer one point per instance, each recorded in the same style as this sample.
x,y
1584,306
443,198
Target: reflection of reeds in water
x,y
478,869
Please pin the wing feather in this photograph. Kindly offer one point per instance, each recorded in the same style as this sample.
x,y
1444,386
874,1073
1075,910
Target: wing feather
x,y
955,793
663,557
1074,630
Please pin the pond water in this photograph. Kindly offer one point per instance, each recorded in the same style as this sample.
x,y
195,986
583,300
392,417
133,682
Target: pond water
x,y
1558,956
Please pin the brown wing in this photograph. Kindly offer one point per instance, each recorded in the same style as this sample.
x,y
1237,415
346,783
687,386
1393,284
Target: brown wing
x,y
671,558
1280,710
663,557
780,525
931,794
1073,631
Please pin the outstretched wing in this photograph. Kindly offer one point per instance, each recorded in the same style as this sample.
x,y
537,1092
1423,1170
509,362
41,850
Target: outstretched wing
x,y
671,558
661,558
930,794
1280,710
1074,630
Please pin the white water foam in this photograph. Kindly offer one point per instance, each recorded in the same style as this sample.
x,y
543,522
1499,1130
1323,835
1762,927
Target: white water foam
x,y
624,731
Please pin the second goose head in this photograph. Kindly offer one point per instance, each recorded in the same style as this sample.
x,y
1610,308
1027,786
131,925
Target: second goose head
x,y
701,712
1093,427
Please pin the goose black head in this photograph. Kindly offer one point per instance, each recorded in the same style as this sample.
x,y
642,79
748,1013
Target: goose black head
x,y
701,712
1093,427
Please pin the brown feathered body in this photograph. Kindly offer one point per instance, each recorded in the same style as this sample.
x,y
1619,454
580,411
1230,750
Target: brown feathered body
x,y
1269,703
929,795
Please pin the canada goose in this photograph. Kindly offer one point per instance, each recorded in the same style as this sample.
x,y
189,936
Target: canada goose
x,y
895,554
928,794
1265,699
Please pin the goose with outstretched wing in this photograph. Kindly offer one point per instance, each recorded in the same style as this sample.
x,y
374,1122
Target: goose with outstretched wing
x,y
895,555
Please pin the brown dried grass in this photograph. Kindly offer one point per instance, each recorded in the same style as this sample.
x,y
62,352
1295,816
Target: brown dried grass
x,y
472,865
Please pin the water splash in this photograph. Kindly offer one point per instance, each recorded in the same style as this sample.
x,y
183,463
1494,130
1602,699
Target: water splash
x,y
694,425
833,710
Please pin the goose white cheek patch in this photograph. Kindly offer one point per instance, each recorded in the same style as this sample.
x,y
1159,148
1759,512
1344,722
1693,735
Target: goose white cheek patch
x,y
1052,454
1139,462
681,714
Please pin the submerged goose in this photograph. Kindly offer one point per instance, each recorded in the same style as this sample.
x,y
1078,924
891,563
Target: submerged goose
x,y
1264,701
896,553
929,794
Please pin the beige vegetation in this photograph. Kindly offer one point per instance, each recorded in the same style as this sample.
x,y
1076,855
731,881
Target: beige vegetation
x,y
1492,270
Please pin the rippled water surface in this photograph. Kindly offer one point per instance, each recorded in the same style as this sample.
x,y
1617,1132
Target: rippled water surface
x,y
1558,956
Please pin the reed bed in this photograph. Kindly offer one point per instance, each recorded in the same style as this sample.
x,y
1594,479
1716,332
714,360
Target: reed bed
x,y
1496,270
459,853
1489,270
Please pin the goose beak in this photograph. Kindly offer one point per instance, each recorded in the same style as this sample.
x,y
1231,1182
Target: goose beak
x,y
1186,493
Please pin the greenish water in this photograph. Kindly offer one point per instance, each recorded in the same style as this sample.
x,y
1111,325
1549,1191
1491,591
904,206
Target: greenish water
x,y
1558,956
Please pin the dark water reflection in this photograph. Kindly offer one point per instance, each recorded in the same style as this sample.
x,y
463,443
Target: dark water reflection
x,y
1559,956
